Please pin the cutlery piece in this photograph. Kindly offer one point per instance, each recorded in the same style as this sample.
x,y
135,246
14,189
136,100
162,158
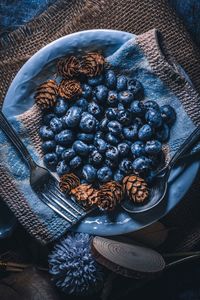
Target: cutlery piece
x,y
44,183
160,183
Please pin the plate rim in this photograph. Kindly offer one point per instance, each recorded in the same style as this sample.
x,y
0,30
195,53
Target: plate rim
x,y
72,35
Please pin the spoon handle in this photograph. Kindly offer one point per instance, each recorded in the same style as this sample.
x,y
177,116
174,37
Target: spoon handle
x,y
192,138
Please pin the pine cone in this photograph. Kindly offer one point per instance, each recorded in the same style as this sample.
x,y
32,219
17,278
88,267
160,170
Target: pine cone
x,y
92,64
110,195
68,182
135,188
69,88
46,93
85,194
68,67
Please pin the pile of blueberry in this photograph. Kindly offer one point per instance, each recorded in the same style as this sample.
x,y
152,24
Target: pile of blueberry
x,y
108,133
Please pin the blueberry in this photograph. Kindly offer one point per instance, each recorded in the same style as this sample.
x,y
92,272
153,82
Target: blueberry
x,y
111,113
86,90
51,160
89,173
62,168
96,158
94,81
101,145
151,104
94,109
75,163
153,117
83,181
120,106
80,148
101,93
125,97
137,108
103,126
61,107
85,137
141,164
47,118
118,176
115,127
121,83
68,154
112,153
56,125
110,79
112,98
123,149
145,132
138,149
113,164
112,139
73,116
59,150
104,174
131,132
168,114
48,146
124,117
163,133
126,166
129,143
82,103
97,125
99,135
153,147
157,161
65,137
92,148
136,88
87,123
46,133
64,125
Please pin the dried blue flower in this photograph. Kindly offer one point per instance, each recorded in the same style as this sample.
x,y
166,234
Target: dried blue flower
x,y
73,266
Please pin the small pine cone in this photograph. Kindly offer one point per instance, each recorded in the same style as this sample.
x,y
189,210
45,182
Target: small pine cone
x,y
68,182
92,64
85,194
46,93
110,195
68,67
135,188
69,88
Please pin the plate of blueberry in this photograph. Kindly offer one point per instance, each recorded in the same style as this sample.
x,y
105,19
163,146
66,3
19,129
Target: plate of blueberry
x,y
103,131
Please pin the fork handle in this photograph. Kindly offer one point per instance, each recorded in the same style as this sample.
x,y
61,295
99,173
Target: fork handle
x,y
17,142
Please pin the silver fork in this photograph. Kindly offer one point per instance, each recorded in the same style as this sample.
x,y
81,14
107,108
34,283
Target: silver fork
x,y
43,182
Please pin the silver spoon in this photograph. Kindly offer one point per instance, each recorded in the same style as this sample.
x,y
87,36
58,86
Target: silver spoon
x,y
160,182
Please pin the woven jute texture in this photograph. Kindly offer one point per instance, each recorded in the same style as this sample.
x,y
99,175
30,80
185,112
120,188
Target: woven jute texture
x,y
136,16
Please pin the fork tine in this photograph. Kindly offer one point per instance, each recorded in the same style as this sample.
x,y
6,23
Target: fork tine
x,y
55,197
46,201
71,204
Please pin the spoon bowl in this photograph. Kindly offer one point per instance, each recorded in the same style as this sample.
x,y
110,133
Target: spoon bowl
x,y
157,193
159,185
